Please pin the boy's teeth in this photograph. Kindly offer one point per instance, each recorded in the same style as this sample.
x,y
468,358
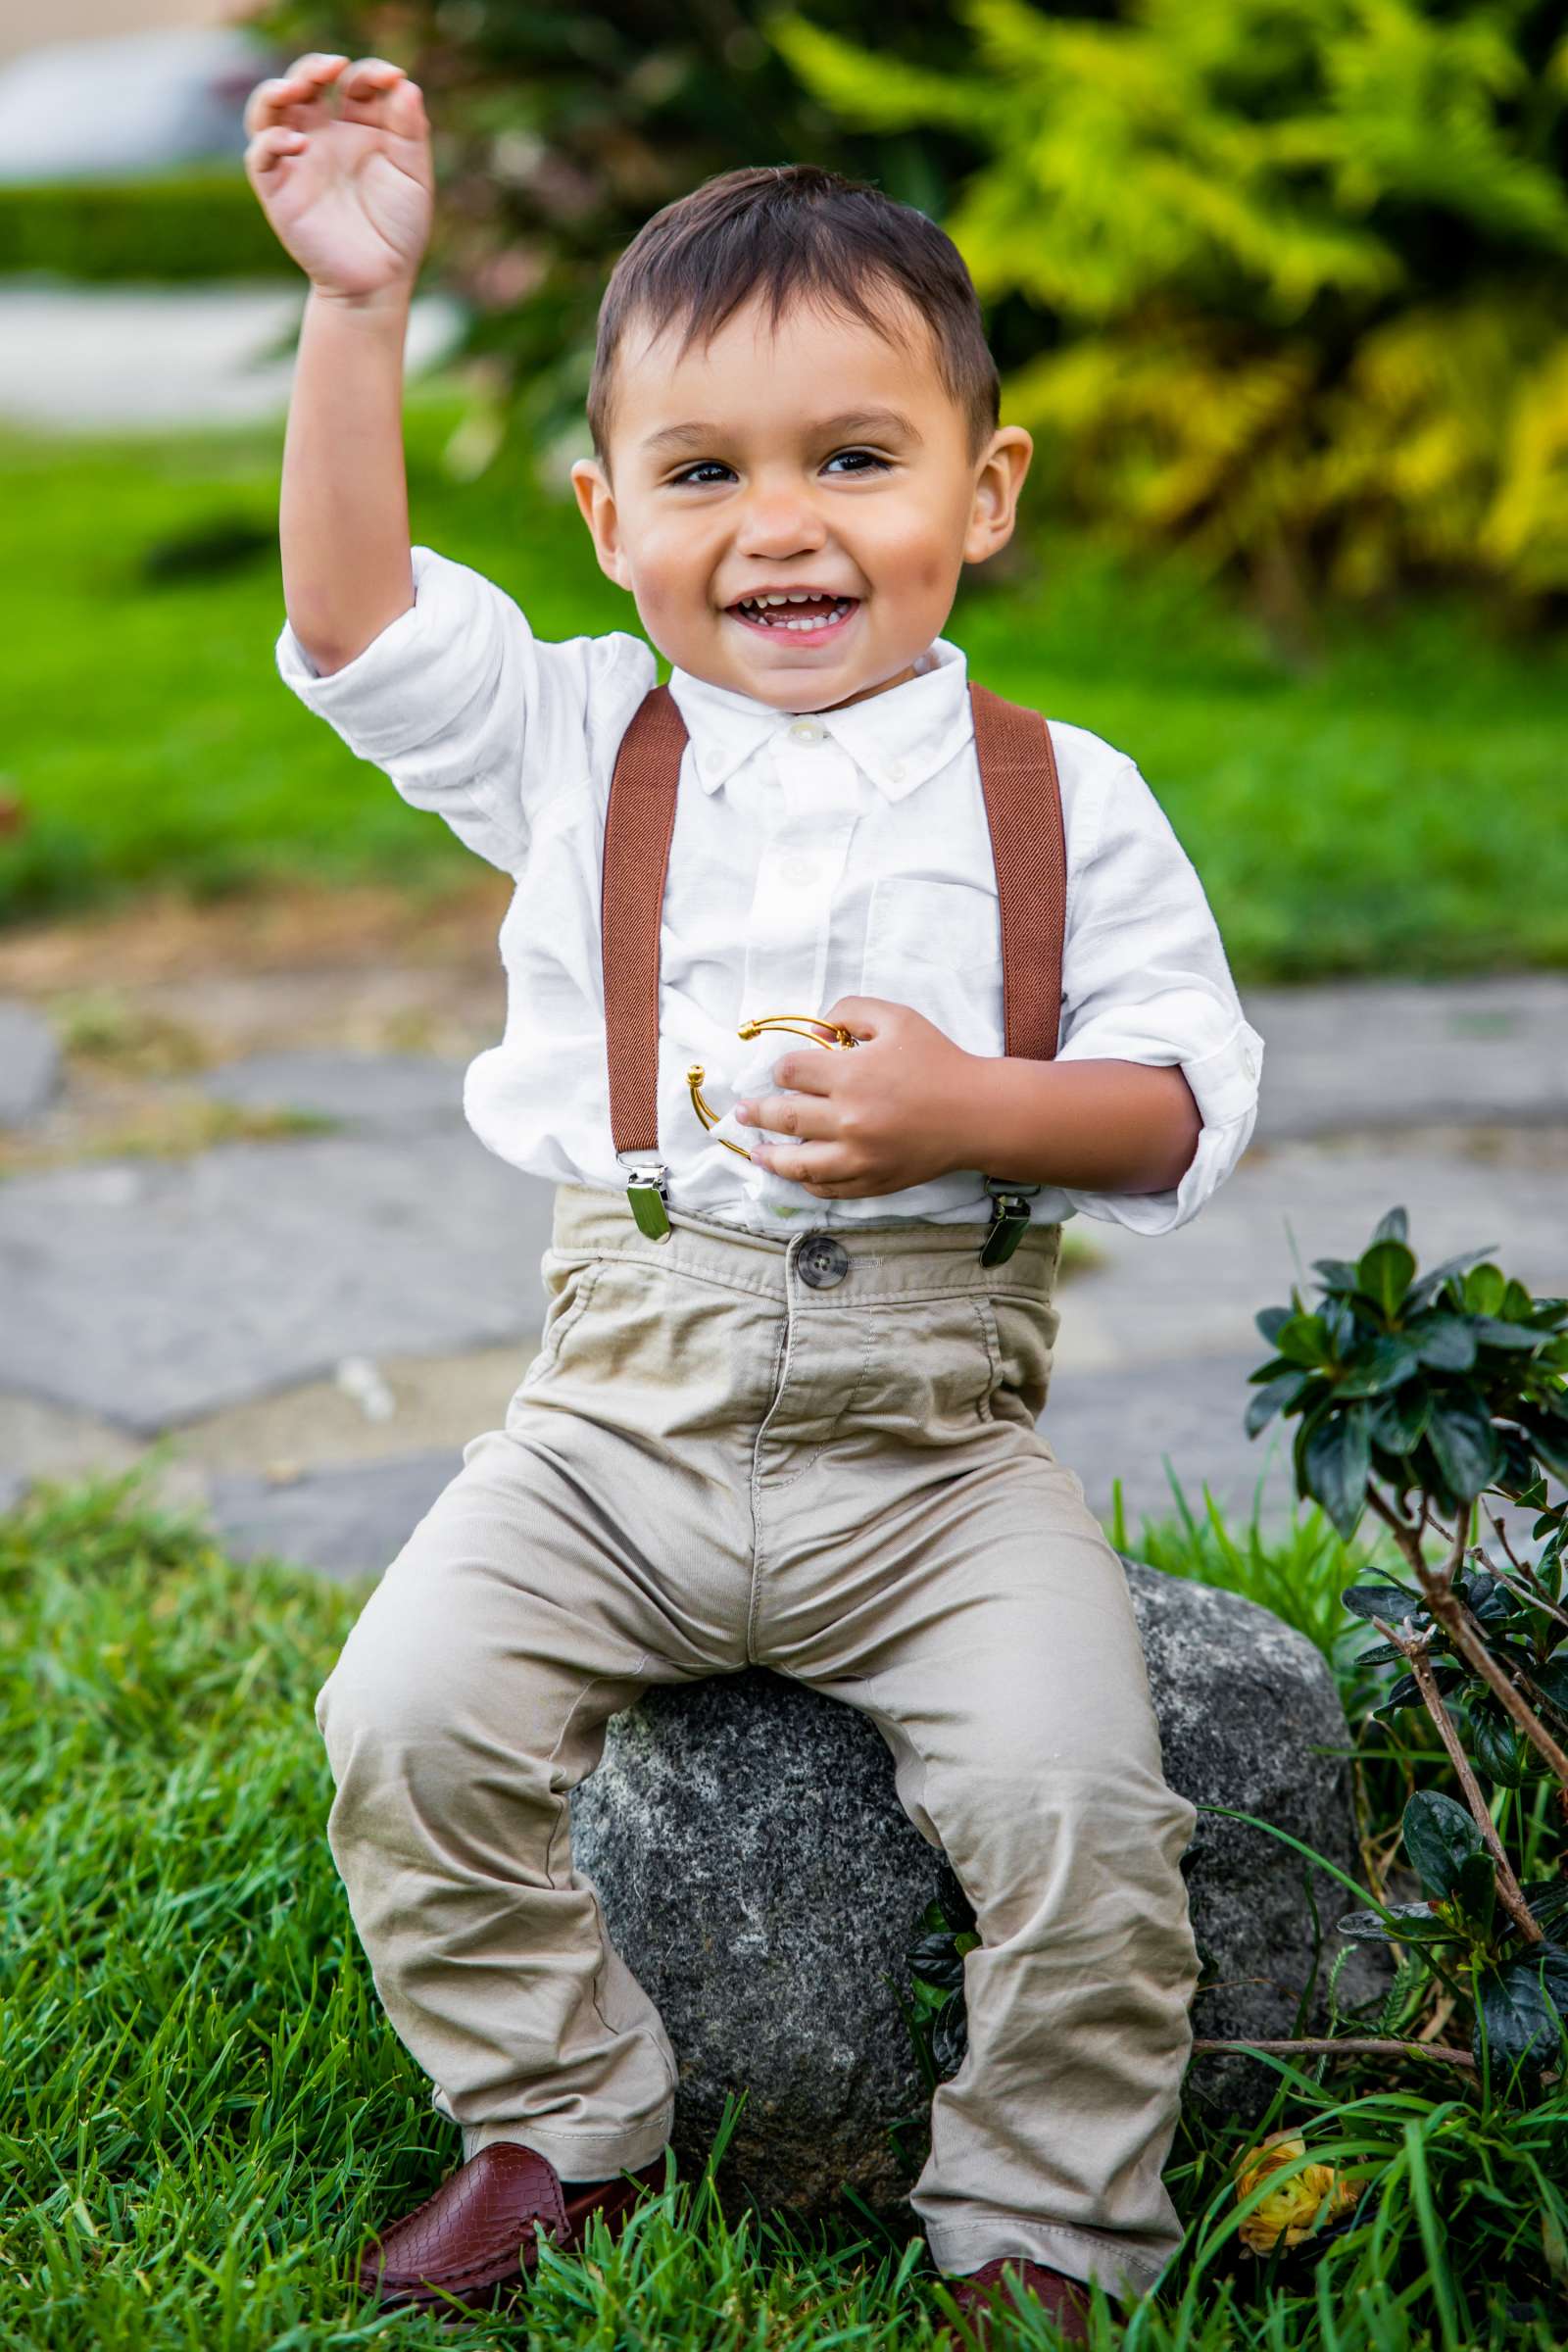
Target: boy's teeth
x,y
761,608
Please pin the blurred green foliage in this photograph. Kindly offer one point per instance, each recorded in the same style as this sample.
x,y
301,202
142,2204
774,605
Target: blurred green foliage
x,y
178,226
1302,268
1284,281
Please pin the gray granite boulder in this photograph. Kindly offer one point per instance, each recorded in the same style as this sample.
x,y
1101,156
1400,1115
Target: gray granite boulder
x,y
761,1878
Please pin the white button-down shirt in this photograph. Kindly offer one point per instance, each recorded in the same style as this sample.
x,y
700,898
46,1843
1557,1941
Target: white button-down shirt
x,y
844,853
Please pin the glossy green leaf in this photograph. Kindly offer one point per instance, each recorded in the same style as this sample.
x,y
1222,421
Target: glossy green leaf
x,y
1391,1603
1305,1339
1394,1227
1337,1459
1550,1440
1466,1447
1502,1754
1406,1691
1492,1332
1476,1895
1372,1369
1398,1421
1550,1959
1440,1837
1444,1342
1432,1283
1384,1275
1269,1401
1484,1288
1521,2023
1552,1679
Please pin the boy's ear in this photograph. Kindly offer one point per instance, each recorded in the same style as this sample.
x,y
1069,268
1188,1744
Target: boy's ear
x,y
999,480
597,500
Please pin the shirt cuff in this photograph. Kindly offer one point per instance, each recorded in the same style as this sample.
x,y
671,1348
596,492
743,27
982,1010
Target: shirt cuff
x,y
1224,1084
380,702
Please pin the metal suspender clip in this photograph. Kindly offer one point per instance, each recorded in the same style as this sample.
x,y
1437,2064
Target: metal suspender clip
x,y
648,1193
1009,1218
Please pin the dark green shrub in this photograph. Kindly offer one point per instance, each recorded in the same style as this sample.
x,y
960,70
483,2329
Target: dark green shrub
x,y
184,226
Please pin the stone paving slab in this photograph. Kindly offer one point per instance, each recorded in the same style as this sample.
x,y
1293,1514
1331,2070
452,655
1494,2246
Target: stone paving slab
x,y
343,1523
29,1064
152,1292
1409,1053
380,1091
1172,1298
1126,1423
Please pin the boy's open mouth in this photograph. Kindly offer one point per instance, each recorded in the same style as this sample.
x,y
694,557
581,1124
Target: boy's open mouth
x,y
797,613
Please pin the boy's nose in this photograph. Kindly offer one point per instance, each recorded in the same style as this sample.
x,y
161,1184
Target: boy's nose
x,y
779,523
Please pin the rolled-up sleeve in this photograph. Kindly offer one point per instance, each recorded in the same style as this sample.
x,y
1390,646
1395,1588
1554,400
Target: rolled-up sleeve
x,y
1145,978
468,713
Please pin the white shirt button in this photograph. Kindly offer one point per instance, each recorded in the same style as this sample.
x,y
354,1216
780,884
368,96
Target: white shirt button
x,y
798,870
895,772
712,761
806,730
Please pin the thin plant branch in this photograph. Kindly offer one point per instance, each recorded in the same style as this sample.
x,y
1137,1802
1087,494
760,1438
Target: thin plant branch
x,y
1509,1893
1522,1591
1437,1591
1348,2046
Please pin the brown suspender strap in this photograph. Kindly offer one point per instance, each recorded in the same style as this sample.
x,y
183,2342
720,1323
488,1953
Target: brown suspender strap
x,y
1028,846
638,825
1029,850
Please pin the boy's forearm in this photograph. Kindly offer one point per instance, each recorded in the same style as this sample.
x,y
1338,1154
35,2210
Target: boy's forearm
x,y
343,513
1095,1126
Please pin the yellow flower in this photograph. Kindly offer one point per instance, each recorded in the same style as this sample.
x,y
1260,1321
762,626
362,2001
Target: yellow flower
x,y
1290,2211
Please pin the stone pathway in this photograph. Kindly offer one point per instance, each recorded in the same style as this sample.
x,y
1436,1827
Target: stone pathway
x,y
309,1314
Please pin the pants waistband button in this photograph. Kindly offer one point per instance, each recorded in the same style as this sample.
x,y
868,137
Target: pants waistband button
x,y
821,1262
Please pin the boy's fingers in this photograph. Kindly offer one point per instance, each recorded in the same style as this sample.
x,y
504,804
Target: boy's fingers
x,y
863,1014
807,1071
817,1165
316,64
789,1114
368,74
301,85
270,147
394,105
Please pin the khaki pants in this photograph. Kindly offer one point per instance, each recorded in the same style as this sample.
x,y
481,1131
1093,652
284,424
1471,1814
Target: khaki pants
x,y
819,1456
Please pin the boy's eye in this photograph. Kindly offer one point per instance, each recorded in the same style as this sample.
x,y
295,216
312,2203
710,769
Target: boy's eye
x,y
859,460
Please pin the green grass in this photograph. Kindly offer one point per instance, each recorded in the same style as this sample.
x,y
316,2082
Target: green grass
x,y
1395,808
204,2109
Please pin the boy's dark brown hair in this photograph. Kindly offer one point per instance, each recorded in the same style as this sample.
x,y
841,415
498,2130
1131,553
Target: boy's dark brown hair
x,y
792,232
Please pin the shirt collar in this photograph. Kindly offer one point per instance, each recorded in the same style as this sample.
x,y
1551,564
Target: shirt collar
x,y
899,738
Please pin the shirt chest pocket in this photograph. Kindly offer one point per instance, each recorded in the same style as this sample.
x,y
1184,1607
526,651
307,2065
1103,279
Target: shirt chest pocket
x,y
951,927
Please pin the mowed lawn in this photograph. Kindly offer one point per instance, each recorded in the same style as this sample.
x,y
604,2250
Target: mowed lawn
x,y
1396,806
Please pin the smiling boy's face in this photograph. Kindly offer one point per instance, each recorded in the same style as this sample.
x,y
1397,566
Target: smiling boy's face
x,y
822,461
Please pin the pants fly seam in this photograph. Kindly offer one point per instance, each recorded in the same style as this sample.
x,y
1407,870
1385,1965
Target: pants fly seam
x,y
777,1376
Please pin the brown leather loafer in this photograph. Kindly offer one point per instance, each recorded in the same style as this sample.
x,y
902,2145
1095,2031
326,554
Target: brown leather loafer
x,y
477,2239
979,2295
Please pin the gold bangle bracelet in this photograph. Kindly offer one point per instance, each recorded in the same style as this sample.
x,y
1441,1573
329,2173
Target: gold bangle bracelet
x,y
800,1024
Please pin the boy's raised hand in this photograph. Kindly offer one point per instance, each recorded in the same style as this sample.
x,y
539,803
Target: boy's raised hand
x,y
349,193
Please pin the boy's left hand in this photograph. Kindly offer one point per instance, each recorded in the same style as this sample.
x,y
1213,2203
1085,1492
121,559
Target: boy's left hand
x,y
886,1114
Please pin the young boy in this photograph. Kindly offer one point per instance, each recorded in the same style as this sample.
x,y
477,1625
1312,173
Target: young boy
x,y
784,1409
